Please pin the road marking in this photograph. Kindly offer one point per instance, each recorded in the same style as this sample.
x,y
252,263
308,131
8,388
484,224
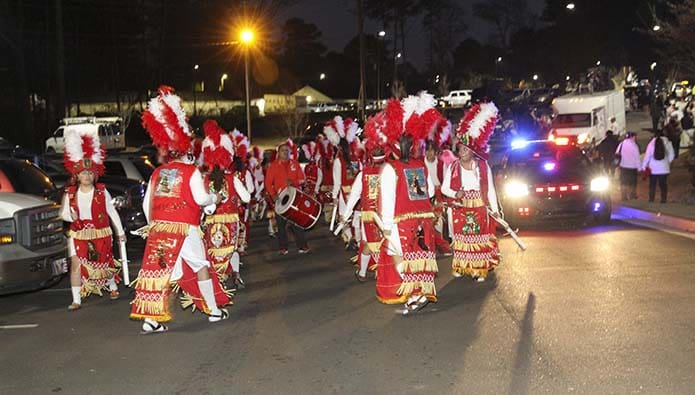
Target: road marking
x,y
20,326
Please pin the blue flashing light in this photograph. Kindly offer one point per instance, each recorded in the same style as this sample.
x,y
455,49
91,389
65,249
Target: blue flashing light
x,y
519,143
597,207
549,166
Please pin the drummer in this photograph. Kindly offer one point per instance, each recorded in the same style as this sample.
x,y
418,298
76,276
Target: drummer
x,y
284,172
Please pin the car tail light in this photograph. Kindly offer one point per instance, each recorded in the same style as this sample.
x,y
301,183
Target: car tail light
x,y
523,211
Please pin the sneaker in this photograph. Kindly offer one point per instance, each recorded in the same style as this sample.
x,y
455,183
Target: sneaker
x,y
238,282
480,279
74,306
224,314
150,326
304,250
359,278
114,295
271,235
283,251
456,274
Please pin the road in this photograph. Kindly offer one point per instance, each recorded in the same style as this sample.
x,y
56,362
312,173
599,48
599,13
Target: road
x,y
596,310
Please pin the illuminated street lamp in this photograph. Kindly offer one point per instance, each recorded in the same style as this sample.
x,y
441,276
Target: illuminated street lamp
x,y
570,6
380,39
598,63
535,77
382,33
567,78
652,66
247,41
195,83
499,59
322,76
222,79
656,28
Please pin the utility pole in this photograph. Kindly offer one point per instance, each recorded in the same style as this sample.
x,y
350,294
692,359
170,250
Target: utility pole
x,y
360,29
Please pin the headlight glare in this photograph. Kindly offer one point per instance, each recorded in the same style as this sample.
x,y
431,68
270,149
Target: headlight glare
x,y
516,189
600,184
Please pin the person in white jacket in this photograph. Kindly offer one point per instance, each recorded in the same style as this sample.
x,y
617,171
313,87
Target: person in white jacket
x,y
628,153
658,158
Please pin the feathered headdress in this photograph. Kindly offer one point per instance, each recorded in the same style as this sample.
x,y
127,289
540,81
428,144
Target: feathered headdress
x,y
256,157
420,116
83,150
217,148
294,154
241,144
476,127
311,151
339,128
166,122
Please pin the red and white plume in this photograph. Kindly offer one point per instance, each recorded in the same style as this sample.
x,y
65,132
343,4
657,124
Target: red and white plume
x,y
476,127
339,128
83,150
241,144
294,153
166,121
311,151
256,157
217,148
420,116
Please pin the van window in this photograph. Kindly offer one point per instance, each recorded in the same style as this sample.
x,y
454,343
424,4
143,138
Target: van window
x,y
572,121
103,131
58,133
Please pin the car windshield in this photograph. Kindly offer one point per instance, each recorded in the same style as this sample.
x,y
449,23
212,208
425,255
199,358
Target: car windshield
x,y
572,121
548,159
26,178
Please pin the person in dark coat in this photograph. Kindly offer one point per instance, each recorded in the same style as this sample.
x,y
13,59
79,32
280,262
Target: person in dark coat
x,y
606,151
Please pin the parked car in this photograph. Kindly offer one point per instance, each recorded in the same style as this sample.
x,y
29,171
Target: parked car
x,y
134,167
550,181
457,98
33,248
21,176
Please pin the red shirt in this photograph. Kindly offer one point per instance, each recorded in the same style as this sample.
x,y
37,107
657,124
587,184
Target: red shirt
x,y
279,172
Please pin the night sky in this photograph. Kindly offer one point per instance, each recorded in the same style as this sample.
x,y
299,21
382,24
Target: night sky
x,y
338,24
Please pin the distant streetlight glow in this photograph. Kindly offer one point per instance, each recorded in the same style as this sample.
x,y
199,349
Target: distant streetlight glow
x,y
570,6
222,80
535,77
246,36
656,28
567,78
196,67
322,76
598,63
382,33
399,55
499,59
652,66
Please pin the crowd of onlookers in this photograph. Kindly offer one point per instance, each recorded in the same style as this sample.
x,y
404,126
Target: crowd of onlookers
x,y
672,127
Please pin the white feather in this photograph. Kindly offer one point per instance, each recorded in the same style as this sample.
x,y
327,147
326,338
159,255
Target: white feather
x,y
340,126
410,106
305,148
331,135
207,143
174,102
351,133
73,142
425,102
487,111
154,106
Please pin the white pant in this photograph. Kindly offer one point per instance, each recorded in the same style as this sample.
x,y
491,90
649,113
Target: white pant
x,y
193,252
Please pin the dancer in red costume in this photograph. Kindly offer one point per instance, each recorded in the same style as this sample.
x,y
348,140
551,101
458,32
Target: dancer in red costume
x,y
313,175
406,210
365,190
469,183
342,133
88,207
222,227
240,167
326,155
174,253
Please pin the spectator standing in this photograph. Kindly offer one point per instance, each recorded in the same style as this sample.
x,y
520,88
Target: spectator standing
x,y
628,153
656,111
606,152
657,158
673,131
688,125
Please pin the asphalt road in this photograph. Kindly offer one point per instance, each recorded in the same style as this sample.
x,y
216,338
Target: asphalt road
x,y
598,310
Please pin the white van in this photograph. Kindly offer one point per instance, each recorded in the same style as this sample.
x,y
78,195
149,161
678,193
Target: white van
x,y
110,132
586,117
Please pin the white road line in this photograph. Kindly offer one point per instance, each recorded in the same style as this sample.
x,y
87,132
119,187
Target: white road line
x,y
20,326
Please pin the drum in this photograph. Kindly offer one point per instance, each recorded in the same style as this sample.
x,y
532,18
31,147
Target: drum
x,y
298,207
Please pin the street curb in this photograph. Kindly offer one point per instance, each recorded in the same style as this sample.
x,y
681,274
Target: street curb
x,y
684,224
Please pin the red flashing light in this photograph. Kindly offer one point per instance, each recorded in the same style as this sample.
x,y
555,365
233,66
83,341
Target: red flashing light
x,y
562,140
536,154
539,189
575,187
552,189
563,188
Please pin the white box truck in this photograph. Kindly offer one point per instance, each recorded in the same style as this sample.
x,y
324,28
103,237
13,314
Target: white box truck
x,y
587,117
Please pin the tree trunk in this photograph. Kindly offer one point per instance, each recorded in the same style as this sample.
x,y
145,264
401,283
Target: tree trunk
x,y
360,30
60,61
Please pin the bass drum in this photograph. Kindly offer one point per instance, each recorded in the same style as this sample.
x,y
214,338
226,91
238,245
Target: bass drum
x,y
298,208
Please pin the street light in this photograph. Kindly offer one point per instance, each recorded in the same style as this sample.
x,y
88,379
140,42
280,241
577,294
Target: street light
x,y
247,41
535,77
656,28
222,79
399,55
570,6
652,66
598,63
382,33
567,78
322,76
380,38
499,59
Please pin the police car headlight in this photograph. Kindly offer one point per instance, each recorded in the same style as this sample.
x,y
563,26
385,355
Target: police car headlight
x,y
600,184
582,138
516,189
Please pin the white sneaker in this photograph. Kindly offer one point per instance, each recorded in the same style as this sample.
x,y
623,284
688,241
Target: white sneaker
x,y
224,314
480,279
151,326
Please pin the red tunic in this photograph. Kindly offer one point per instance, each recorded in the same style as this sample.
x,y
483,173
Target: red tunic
x,y
93,243
174,210
222,229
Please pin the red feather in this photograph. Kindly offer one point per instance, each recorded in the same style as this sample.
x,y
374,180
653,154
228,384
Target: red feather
x,y
394,120
213,131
